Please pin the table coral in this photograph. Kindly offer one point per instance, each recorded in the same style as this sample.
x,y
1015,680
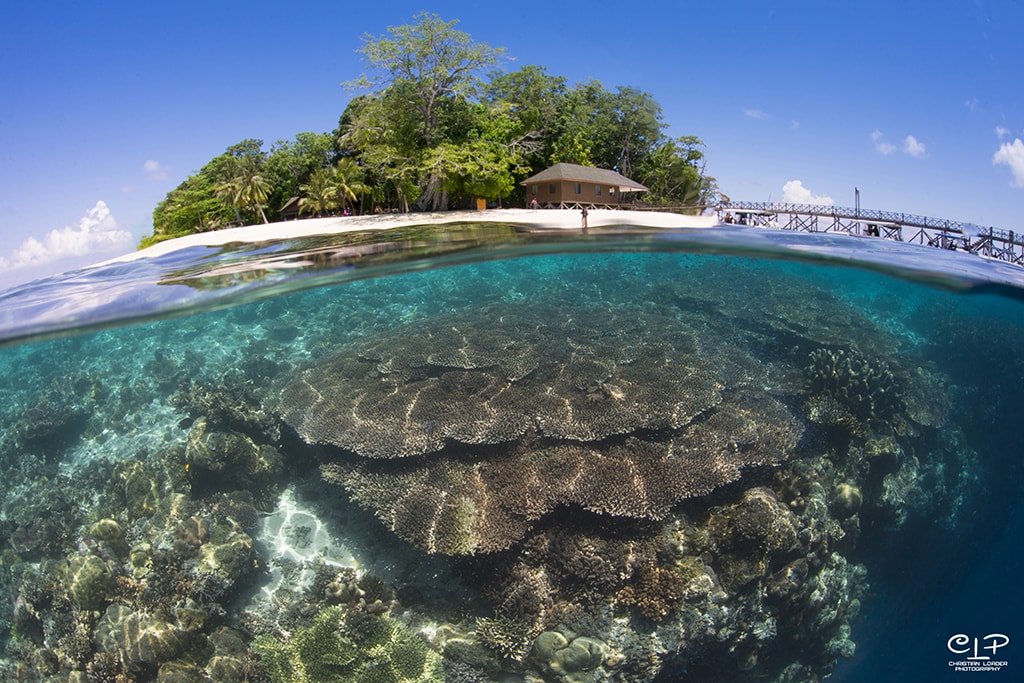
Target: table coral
x,y
460,432
493,375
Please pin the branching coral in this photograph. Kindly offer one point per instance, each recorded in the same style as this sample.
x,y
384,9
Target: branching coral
x,y
507,637
864,386
231,402
656,592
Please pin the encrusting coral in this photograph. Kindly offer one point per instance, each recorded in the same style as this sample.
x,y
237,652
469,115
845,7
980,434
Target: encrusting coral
x,y
343,645
566,659
90,581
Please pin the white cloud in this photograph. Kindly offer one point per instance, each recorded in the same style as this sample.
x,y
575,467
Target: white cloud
x,y
154,170
755,114
794,192
973,104
881,146
1002,132
914,148
97,231
1012,154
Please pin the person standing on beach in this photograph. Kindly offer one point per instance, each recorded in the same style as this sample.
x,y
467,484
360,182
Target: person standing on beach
x,y
584,217
533,204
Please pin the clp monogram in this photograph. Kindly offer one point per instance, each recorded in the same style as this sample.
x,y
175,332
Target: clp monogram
x,y
962,644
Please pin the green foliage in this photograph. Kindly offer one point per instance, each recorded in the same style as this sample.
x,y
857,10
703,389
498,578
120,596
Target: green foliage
x,y
291,164
674,174
333,189
319,196
191,207
433,133
434,59
342,646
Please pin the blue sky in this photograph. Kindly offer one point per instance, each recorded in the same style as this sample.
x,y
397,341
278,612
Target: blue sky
x,y
108,105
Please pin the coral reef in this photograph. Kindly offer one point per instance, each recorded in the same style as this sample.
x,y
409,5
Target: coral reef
x,y
585,482
618,413
499,373
90,582
226,460
454,506
349,646
866,387
568,660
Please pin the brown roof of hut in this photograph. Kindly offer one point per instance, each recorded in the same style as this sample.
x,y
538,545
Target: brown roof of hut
x,y
585,174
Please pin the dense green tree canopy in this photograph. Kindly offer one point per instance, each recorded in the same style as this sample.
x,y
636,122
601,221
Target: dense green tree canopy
x,y
435,126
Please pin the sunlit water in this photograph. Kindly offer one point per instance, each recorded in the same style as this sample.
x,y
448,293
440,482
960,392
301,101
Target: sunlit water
x,y
477,453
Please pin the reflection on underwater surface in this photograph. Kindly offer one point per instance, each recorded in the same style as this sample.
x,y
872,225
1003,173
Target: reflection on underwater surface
x,y
615,463
193,278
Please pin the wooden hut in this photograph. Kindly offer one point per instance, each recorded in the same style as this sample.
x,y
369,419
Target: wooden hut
x,y
571,186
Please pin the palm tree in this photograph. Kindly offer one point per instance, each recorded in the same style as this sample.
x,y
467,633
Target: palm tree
x,y
254,192
227,191
245,188
348,182
320,193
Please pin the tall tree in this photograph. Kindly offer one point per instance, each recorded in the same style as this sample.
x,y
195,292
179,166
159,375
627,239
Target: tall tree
x,y
533,99
674,173
432,57
582,126
254,191
636,130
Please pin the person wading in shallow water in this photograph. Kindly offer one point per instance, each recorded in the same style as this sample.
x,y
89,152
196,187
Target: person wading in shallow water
x,y
583,216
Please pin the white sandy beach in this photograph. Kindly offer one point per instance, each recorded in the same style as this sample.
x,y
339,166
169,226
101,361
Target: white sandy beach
x,y
540,218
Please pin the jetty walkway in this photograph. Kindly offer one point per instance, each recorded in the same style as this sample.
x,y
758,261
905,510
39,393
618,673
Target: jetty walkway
x,y
1005,245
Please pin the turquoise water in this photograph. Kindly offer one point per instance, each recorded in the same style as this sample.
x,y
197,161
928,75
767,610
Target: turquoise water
x,y
479,453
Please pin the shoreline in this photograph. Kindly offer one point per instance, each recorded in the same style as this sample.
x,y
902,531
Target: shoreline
x,y
566,219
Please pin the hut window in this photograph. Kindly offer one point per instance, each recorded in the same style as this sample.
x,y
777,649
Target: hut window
x,y
579,188
611,191
551,188
534,188
597,190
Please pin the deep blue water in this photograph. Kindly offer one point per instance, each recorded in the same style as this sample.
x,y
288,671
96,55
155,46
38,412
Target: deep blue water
x,y
492,433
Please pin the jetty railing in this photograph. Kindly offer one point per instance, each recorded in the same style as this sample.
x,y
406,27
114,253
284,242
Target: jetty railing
x,y
1005,245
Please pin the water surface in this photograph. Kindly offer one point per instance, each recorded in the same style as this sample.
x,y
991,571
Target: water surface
x,y
483,453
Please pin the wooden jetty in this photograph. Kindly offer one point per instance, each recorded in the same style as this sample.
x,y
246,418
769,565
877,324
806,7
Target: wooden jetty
x,y
1004,245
